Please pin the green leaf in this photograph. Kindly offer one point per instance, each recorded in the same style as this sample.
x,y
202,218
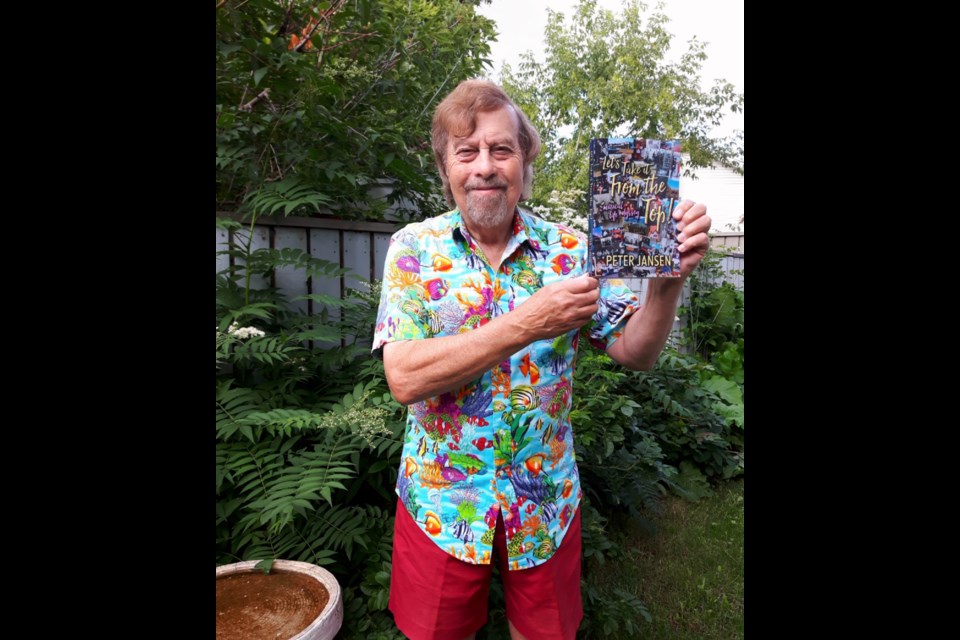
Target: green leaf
x,y
258,75
264,565
726,389
380,465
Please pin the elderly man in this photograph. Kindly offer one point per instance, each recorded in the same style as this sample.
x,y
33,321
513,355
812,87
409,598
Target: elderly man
x,y
478,327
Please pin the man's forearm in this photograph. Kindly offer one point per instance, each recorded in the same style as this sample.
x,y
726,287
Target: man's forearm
x,y
420,369
646,331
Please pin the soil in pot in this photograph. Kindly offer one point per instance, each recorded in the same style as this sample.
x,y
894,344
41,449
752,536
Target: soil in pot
x,y
275,606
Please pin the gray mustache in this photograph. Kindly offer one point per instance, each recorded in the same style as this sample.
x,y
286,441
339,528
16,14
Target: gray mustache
x,y
484,185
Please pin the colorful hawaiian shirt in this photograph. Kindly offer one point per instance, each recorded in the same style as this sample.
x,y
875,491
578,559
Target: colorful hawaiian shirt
x,y
502,444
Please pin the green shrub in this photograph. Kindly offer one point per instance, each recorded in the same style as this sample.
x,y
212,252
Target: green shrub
x,y
307,437
339,124
714,313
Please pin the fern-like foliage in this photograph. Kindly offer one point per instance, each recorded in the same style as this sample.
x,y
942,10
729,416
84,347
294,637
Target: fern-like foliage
x,y
289,195
288,464
233,405
317,538
264,261
227,224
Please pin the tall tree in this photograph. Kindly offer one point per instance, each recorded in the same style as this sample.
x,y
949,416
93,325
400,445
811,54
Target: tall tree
x,y
608,74
319,101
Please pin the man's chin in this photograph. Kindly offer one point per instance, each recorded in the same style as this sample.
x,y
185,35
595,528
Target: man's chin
x,y
483,215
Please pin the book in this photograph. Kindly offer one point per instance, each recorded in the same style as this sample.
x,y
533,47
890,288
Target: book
x,y
634,186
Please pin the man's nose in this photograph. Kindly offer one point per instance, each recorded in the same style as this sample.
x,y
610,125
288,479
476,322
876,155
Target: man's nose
x,y
483,165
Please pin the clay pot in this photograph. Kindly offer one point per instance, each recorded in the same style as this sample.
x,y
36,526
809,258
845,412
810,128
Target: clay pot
x,y
296,601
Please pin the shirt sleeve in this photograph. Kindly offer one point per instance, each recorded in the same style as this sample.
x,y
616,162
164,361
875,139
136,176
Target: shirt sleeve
x,y
402,314
617,303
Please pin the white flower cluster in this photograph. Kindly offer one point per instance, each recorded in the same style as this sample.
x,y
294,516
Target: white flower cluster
x,y
369,425
560,209
365,421
244,332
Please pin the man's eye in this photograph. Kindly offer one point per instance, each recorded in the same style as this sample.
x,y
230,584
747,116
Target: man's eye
x,y
466,153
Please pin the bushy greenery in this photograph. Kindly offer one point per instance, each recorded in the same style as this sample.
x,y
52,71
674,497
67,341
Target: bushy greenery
x,y
714,313
714,332
307,438
326,106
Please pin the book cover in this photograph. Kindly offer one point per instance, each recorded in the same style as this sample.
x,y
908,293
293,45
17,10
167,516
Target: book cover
x,y
634,186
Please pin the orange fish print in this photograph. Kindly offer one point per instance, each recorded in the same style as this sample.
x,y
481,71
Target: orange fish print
x,y
568,241
530,369
410,466
432,524
501,382
441,262
535,463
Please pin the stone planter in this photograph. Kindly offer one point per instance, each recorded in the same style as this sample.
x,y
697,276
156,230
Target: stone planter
x,y
296,601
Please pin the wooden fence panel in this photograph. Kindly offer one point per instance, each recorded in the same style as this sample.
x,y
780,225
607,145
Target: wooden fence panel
x,y
261,240
727,240
223,242
325,245
356,257
288,279
381,242
733,268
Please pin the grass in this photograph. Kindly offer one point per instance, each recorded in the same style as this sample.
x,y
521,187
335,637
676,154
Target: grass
x,y
689,573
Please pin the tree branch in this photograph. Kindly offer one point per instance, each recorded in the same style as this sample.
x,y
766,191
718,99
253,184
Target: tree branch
x,y
340,44
325,17
263,95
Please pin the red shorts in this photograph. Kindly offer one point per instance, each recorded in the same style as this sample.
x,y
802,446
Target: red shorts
x,y
435,596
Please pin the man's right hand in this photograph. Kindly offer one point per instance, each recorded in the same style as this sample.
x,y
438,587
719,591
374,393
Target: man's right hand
x,y
559,307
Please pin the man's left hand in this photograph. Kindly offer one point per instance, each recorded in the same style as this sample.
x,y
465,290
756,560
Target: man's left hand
x,y
692,226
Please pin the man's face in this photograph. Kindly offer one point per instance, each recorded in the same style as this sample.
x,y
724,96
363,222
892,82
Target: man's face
x,y
485,170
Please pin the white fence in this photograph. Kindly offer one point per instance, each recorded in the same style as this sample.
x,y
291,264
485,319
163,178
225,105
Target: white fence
x,y
358,246
361,247
731,241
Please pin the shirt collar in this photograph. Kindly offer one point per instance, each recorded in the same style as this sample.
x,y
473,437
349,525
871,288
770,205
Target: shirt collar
x,y
521,231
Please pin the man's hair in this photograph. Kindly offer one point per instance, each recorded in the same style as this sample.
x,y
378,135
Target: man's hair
x,y
457,116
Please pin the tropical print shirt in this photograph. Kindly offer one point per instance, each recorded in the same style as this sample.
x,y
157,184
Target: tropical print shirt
x,y
502,443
